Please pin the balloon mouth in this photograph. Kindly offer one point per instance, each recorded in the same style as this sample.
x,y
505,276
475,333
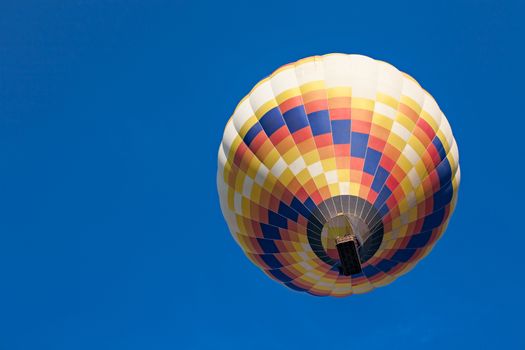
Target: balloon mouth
x,y
354,216
341,225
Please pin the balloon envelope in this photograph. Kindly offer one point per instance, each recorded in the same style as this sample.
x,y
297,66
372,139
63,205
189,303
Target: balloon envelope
x,y
335,144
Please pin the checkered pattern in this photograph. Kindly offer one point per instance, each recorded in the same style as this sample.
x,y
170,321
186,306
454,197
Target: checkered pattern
x,y
332,135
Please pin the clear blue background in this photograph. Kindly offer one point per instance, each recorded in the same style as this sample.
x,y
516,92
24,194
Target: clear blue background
x,y
111,236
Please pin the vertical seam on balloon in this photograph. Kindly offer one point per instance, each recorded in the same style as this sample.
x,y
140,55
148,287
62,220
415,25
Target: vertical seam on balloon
x,y
329,270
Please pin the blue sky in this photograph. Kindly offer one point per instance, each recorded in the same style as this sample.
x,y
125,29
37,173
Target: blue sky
x,y
111,235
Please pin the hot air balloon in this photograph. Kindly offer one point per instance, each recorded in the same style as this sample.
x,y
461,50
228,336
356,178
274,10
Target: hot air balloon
x,y
337,174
